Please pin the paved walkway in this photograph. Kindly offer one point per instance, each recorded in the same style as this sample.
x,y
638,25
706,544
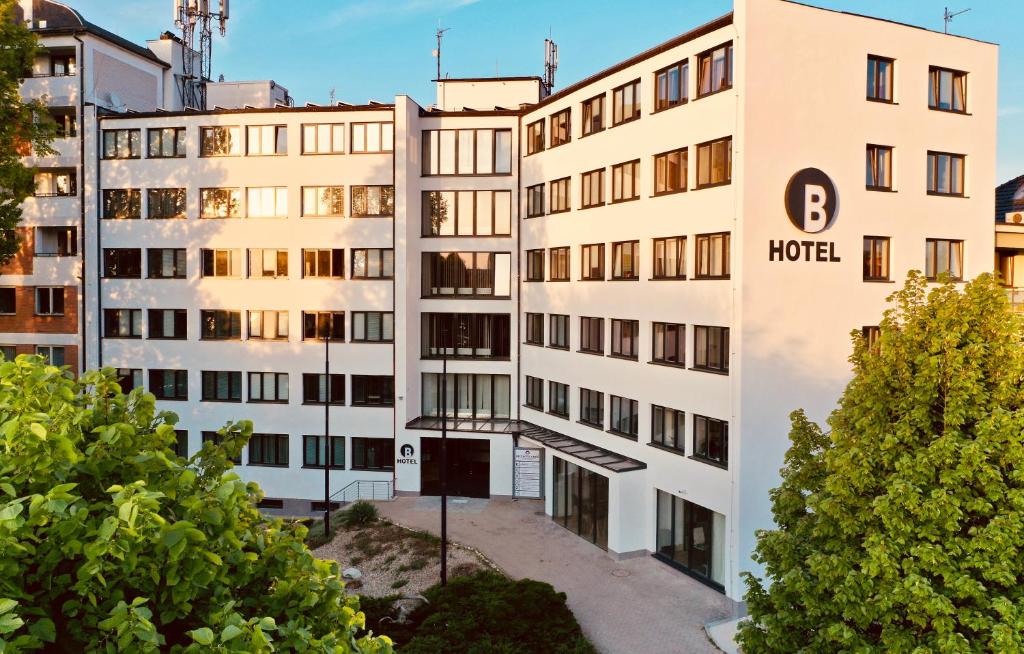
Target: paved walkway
x,y
632,606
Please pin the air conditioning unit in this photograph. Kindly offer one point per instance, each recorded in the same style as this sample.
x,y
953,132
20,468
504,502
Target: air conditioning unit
x,y
1015,217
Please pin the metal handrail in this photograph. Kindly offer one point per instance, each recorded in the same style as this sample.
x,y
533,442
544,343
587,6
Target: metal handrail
x,y
364,489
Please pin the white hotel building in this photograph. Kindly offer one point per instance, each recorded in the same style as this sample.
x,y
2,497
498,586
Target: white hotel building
x,y
637,278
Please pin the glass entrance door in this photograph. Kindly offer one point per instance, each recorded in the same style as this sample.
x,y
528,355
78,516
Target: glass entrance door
x,y
689,538
581,501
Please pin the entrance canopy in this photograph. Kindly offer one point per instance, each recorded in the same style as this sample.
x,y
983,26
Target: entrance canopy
x,y
579,449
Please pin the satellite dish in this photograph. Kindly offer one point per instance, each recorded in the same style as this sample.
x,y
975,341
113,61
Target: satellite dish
x,y
115,102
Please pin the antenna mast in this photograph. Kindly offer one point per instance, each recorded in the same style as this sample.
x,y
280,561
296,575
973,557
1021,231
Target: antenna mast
x,y
437,53
197,62
550,64
948,16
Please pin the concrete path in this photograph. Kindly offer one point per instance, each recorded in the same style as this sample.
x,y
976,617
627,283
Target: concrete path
x,y
632,606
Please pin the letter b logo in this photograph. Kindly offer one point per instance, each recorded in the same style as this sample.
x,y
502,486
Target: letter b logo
x,y
811,201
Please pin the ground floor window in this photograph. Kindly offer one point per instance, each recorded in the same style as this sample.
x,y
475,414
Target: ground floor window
x,y
373,454
580,501
692,538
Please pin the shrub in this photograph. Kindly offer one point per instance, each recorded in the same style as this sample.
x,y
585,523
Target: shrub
x,y
359,514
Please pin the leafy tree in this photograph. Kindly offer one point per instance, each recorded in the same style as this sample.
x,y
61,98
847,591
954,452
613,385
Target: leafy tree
x,y
25,126
111,542
902,529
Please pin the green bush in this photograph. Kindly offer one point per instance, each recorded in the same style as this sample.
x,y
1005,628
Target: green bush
x,y
359,514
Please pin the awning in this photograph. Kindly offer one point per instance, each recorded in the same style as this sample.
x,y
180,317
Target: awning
x,y
493,426
579,449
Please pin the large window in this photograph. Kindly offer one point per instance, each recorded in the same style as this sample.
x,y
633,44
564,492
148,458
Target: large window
x,y
944,257
535,393
268,387
467,274
467,213
558,336
373,454
166,263
267,139
268,325
535,328
672,85
373,263
266,202
315,388
670,169
53,355
323,200
220,203
480,397
534,265
592,188
670,257
120,323
626,181
218,325
592,262
122,204
55,182
122,263
669,344
626,103
535,201
169,384
168,324
222,386
711,439
318,325
373,201
314,454
9,302
122,143
876,258
691,538
714,70
713,256
626,260
580,501
373,326
50,301
373,390
880,73
559,195
467,152
466,335
561,131
166,142
947,89
668,428
164,203
879,168
268,450
373,137
222,263
591,335
714,163
625,338
624,416
945,174
559,271
127,378
711,348
325,138
56,241
593,115
592,408
323,262
535,137
220,141
559,402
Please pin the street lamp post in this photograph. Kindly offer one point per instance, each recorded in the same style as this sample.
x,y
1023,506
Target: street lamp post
x,y
327,434
444,459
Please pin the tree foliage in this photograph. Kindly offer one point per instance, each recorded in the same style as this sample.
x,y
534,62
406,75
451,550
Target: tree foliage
x,y
111,542
25,126
902,529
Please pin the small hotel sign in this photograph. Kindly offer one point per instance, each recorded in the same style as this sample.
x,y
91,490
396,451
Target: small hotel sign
x,y
812,204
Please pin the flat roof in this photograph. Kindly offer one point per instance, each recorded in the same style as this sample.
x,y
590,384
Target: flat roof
x,y
520,78
250,110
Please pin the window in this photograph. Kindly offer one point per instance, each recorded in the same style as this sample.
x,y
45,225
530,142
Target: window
x,y
315,387
267,139
626,260
165,263
670,170
466,335
268,450
220,325
373,137
169,384
220,203
535,328
222,263
580,501
268,325
711,348
559,402
327,138
373,390
714,163
626,181
466,274
122,143
712,256
122,263
122,204
222,386
691,538
373,263
180,445
559,195
373,454
669,344
559,332
592,408
535,265
945,174
129,379
8,301
373,326
535,137
373,201
267,264
467,213
711,439
668,428
626,103
314,454
8,352
56,241
268,387
947,89
670,257
943,256
880,70
672,85
625,417
323,200
55,183
62,65
535,393
625,334
560,128
467,152
323,263
592,186
164,203
216,439
220,141
266,202
714,70
879,168
592,262
592,335
318,325
559,264
535,201
876,258
50,301
122,323
166,142
593,115
871,334
53,355
67,121
168,323
478,397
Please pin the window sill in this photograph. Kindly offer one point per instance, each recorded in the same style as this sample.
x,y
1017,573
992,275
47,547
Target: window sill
x,y
316,340
559,144
667,279
533,344
464,357
558,347
309,466
950,111
710,462
624,121
391,342
442,175
466,297
701,96
591,425
552,212
373,406
266,402
623,357
171,399
221,401
623,279
710,278
661,194
333,403
881,101
666,448
722,373
879,281
591,352
558,415
105,337
666,364
370,215
592,132
465,235
362,469
592,206
166,217
625,200
267,465
880,189
591,279
621,434
683,102
559,280
949,195
701,187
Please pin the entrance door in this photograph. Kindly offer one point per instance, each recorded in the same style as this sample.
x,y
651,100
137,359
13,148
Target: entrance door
x,y
469,467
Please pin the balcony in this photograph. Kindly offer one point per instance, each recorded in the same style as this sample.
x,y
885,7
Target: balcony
x,y
58,90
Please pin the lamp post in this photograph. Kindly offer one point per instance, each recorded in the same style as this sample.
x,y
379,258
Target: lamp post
x,y
327,433
444,459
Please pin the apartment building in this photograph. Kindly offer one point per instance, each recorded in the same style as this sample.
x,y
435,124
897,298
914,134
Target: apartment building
x,y
1010,239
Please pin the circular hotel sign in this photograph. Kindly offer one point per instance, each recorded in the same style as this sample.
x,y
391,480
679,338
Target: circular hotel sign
x,y
812,201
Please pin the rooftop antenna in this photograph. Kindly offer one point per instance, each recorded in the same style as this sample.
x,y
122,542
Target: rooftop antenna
x,y
948,16
192,16
331,96
437,53
550,64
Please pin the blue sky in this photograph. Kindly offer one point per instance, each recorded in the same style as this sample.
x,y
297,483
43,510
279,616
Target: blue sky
x,y
373,49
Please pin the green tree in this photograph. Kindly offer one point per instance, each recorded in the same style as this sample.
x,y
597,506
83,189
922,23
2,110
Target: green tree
x,y
902,529
25,126
111,542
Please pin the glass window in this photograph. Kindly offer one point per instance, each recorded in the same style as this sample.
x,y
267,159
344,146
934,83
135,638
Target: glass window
x,y
592,185
559,271
711,348
220,141
373,390
165,203
714,163
591,335
323,200
534,265
267,202
712,256
466,335
692,538
268,325
624,416
592,262
625,337
467,274
222,263
593,115
325,138
711,439
169,384
947,89
220,203
467,213
373,326
315,388
467,152
268,264
220,325
626,181
535,137
50,301
122,143
626,103
669,343
668,428
314,453
560,195
876,258
268,387
714,70
373,201
268,450
535,393
592,408
559,331
672,85
267,139
944,257
670,257
879,168
323,262
880,74
559,402
122,204
945,173
561,131
373,454
168,323
373,263
626,260
373,137
121,323
318,325
222,386
535,201
122,263
166,142
580,501
535,328
670,170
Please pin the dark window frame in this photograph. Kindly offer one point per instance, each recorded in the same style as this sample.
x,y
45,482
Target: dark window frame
x,y
178,385
709,55
277,377
931,254
932,177
560,124
619,271
268,450
957,77
725,255
179,148
563,186
873,155
316,388
587,182
661,163
877,250
622,409
535,137
589,124
558,331
591,408
210,382
710,163
360,318
378,386
702,357
659,265
591,329
558,394
155,317
704,440
666,415
317,462
112,322
619,116
587,254
534,392
665,329
626,343
534,330
875,92
682,70
534,265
